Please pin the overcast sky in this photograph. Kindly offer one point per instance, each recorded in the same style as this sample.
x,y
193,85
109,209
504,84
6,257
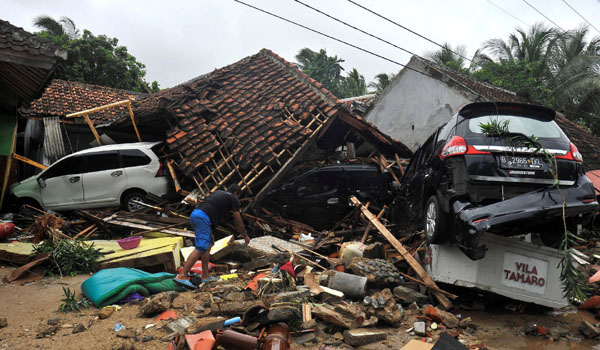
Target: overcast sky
x,y
179,40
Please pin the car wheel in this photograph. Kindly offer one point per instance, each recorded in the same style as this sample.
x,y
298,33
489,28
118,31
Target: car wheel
x,y
435,222
130,198
26,206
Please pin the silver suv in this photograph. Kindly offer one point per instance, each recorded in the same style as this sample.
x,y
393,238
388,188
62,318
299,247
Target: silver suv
x,y
105,176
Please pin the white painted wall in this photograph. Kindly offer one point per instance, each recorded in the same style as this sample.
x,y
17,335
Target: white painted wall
x,y
413,106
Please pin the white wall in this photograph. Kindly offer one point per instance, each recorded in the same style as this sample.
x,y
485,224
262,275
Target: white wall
x,y
413,106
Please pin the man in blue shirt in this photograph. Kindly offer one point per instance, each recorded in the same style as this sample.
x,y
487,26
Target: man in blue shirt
x,y
206,216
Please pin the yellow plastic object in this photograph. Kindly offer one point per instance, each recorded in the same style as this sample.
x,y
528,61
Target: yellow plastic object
x,y
228,277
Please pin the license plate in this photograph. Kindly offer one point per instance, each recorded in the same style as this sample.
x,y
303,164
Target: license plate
x,y
521,162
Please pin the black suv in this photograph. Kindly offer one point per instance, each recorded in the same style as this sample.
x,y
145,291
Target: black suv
x,y
503,168
319,197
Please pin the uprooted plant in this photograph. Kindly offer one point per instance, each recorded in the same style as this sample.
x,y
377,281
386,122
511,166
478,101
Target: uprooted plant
x,y
68,257
574,283
70,302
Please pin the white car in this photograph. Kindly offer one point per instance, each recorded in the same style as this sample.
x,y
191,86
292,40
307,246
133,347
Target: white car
x,y
105,176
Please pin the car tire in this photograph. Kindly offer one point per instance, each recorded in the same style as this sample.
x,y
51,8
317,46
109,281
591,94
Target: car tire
x,y
435,222
25,204
128,200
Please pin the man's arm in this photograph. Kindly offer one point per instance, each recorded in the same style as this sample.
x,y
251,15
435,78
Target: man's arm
x,y
239,226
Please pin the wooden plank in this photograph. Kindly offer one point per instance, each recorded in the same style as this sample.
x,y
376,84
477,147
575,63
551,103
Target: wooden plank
x,y
29,161
91,125
152,229
8,163
173,176
399,165
137,133
414,264
97,109
370,225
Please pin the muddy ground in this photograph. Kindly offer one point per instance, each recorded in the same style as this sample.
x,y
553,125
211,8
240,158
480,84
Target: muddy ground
x,y
29,307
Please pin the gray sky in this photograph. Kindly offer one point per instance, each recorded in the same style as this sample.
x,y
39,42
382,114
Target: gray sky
x,y
179,40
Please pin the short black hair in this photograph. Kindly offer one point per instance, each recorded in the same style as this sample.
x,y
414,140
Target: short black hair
x,y
234,188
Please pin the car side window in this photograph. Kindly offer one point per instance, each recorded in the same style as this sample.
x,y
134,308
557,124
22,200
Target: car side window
x,y
365,180
102,161
319,182
67,166
133,157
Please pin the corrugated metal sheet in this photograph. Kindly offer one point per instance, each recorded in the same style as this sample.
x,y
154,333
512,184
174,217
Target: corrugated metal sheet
x,y
54,147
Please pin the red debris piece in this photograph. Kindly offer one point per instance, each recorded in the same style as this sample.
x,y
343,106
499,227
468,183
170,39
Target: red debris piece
x,y
167,315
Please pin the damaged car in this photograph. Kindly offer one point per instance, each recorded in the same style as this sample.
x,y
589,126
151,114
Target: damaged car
x,y
319,197
104,176
503,168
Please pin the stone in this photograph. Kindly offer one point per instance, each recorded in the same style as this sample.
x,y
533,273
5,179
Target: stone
x,y
310,324
53,321
235,296
178,326
48,331
291,296
420,328
338,336
283,313
370,322
234,308
351,311
126,333
3,322
362,336
78,328
408,295
156,304
589,330
105,312
329,315
388,311
413,306
147,338
305,338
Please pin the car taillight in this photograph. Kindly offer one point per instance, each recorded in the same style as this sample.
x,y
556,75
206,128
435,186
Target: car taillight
x,y
455,146
161,170
573,154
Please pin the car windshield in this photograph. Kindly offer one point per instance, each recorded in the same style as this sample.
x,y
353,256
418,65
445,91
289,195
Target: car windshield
x,y
517,124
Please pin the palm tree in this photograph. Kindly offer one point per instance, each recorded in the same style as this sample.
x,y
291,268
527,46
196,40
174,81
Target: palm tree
x,y
354,84
64,26
450,57
382,81
576,76
535,45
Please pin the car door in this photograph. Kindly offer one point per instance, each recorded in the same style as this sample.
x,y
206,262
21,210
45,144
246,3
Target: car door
x,y
416,175
104,179
62,187
320,197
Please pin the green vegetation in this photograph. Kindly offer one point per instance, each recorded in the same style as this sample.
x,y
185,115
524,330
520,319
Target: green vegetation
x,y
70,303
68,257
94,59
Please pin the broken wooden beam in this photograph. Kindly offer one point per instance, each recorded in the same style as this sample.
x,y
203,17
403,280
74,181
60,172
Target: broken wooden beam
x,y
414,264
29,161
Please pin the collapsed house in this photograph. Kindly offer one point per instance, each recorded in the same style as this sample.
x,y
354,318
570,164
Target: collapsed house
x,y
27,63
249,122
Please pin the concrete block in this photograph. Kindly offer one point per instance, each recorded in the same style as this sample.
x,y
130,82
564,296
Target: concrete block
x,y
362,336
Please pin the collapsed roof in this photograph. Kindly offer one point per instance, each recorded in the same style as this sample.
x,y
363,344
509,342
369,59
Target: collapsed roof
x,y
64,97
26,64
251,119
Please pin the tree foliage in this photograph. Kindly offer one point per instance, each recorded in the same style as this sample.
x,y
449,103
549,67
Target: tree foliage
x,y
92,59
382,80
544,65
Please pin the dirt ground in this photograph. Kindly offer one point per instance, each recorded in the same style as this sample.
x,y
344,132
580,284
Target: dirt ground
x,y
29,307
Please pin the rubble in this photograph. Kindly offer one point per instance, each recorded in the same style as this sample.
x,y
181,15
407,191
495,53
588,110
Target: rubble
x,y
363,336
